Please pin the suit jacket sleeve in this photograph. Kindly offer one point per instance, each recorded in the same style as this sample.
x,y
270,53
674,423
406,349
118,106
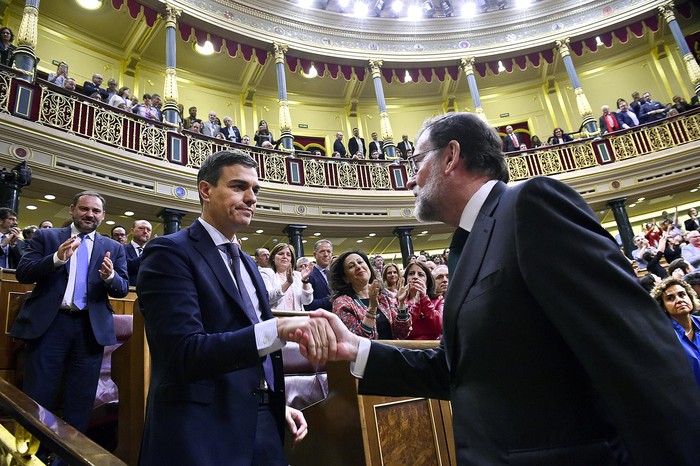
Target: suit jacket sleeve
x,y
617,332
37,260
178,298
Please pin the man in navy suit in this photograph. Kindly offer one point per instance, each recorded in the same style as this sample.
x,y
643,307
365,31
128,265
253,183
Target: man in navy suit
x,y
626,117
376,146
230,131
544,363
140,234
217,389
67,321
323,253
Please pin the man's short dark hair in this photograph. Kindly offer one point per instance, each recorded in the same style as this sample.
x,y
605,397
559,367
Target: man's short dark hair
x,y
480,146
111,232
6,212
210,171
678,264
692,279
77,197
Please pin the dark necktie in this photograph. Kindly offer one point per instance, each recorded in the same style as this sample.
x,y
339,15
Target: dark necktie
x,y
5,250
459,239
81,273
235,263
139,251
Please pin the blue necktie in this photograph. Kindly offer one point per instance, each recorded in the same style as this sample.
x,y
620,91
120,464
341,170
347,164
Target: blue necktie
x,y
81,273
235,263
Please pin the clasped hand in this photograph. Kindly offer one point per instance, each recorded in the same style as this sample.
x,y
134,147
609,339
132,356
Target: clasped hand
x,y
321,337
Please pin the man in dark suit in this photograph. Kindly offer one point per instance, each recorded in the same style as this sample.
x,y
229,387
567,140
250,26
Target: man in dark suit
x,y
67,321
231,132
651,110
356,144
626,117
692,223
338,145
90,87
140,234
11,246
375,145
404,146
511,141
548,359
217,388
323,253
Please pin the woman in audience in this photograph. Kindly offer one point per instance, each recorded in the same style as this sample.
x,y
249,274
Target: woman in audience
x,y
673,248
559,137
535,141
121,99
678,300
60,76
418,297
263,134
287,289
392,279
652,256
6,46
359,302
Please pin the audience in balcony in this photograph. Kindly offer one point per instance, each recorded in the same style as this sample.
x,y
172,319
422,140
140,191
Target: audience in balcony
x,y
192,118
245,140
375,145
559,137
69,84
608,121
680,104
92,87
418,297
146,109
511,141
111,89
60,76
338,145
691,251
626,117
693,222
157,103
196,127
121,99
287,289
404,146
263,134
651,110
230,132
636,104
359,302
356,144
7,48
535,141
211,127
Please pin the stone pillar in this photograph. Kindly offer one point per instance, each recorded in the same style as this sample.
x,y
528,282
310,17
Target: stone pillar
x,y
11,184
286,139
623,225
172,219
467,65
405,241
170,112
25,60
295,233
584,108
666,10
384,124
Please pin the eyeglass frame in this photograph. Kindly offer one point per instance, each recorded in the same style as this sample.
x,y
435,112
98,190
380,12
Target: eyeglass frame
x,y
413,160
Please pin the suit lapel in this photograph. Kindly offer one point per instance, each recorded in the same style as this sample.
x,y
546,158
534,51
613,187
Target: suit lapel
x,y
467,269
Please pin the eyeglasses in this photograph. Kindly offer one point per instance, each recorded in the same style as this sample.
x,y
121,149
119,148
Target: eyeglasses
x,y
415,160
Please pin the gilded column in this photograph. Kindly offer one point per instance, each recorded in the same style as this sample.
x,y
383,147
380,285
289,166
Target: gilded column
x,y
690,64
25,60
467,65
170,112
584,107
384,124
286,139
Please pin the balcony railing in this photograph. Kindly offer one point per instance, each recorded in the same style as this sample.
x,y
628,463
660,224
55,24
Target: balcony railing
x,y
50,106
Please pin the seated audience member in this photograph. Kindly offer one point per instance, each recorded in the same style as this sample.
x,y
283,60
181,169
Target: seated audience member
x,y
608,121
374,155
680,104
679,268
196,128
69,84
678,300
442,280
652,256
146,109
287,289
671,113
535,141
693,222
419,298
7,48
210,127
303,263
317,153
230,132
267,145
391,277
626,117
358,302
220,136
121,99
60,76
336,155
649,281
693,279
431,265
673,248
691,251
245,140
46,224
192,118
90,87
28,232
642,244
651,110
560,137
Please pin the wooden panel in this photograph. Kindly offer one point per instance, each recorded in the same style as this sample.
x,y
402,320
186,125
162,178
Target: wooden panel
x,y
400,444
11,291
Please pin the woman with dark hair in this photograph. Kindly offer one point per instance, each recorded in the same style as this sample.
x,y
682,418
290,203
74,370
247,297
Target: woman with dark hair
x,y
263,134
6,46
287,289
678,300
360,303
392,279
535,141
559,137
419,299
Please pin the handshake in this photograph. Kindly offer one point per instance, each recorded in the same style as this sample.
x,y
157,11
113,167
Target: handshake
x,y
321,337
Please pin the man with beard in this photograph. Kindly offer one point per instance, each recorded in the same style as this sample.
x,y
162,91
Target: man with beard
x,y
544,363
67,321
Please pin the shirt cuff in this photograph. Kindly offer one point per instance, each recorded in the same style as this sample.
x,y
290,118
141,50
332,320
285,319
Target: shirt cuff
x,y
108,280
266,339
357,368
58,262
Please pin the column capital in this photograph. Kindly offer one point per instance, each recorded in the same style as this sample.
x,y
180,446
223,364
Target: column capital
x,y
562,46
375,64
170,14
467,65
280,50
666,10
